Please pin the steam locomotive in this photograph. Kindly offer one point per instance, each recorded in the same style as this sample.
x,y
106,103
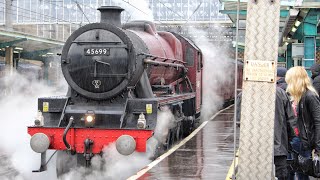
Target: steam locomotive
x,y
119,77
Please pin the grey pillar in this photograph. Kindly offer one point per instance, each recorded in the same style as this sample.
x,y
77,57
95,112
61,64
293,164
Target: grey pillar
x,y
8,15
46,71
9,60
259,91
8,69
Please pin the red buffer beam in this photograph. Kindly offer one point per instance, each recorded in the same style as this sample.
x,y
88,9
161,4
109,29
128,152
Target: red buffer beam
x,y
100,137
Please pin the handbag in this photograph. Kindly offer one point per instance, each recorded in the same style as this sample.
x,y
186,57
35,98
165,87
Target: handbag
x,y
301,164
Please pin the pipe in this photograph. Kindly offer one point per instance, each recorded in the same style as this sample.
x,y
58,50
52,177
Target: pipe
x,y
235,94
66,132
148,61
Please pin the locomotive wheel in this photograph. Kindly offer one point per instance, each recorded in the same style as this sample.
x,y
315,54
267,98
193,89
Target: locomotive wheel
x,y
170,139
188,127
180,132
65,162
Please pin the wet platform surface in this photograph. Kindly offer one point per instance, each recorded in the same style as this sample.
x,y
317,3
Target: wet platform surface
x,y
208,155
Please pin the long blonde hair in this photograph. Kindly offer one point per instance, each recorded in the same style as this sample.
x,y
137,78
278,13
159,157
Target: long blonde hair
x,y
298,82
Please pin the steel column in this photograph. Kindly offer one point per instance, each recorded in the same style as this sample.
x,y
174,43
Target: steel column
x,y
289,56
258,97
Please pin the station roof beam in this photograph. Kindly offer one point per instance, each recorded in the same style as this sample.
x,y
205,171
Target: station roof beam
x,y
291,22
27,42
283,13
11,43
39,55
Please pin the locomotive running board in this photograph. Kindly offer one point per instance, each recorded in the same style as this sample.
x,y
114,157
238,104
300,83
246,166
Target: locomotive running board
x,y
175,98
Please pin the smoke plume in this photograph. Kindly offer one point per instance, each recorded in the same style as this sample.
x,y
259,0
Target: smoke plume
x,y
217,73
137,9
113,165
18,104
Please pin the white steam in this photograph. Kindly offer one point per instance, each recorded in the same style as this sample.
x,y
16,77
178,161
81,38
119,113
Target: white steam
x,y
18,110
112,165
165,121
217,73
137,9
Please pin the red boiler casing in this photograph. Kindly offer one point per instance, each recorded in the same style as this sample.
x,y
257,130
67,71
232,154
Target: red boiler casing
x,y
164,45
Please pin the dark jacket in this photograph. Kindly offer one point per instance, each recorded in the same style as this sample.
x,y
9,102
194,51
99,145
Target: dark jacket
x,y
281,83
284,123
309,120
316,83
315,70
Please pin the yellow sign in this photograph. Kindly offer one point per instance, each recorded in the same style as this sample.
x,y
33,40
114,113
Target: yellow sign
x,y
255,70
149,108
45,107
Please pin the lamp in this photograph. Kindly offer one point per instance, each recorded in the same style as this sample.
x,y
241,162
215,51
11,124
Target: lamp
x,y
89,119
18,48
297,23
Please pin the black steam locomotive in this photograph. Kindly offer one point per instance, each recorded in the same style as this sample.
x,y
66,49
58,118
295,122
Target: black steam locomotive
x,y
119,77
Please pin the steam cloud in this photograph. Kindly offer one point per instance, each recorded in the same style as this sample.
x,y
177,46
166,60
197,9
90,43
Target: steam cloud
x,y
18,104
137,9
217,72
112,165
18,110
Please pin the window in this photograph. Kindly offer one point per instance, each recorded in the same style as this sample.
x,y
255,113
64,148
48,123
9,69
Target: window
x,y
200,65
189,56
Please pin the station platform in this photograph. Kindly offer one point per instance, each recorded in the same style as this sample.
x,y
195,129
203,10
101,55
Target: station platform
x,y
208,154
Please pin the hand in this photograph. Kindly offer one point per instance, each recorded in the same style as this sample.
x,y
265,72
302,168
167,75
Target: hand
x,y
315,155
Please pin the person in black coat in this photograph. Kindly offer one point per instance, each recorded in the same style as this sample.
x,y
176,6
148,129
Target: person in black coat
x,y
284,125
281,73
315,71
308,113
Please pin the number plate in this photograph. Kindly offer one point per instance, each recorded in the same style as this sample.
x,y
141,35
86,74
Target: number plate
x,y
97,51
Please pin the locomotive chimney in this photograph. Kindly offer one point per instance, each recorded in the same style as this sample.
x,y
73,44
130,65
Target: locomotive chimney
x,y
111,15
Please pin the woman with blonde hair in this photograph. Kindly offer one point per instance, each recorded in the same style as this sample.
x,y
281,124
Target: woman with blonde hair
x,y
308,113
